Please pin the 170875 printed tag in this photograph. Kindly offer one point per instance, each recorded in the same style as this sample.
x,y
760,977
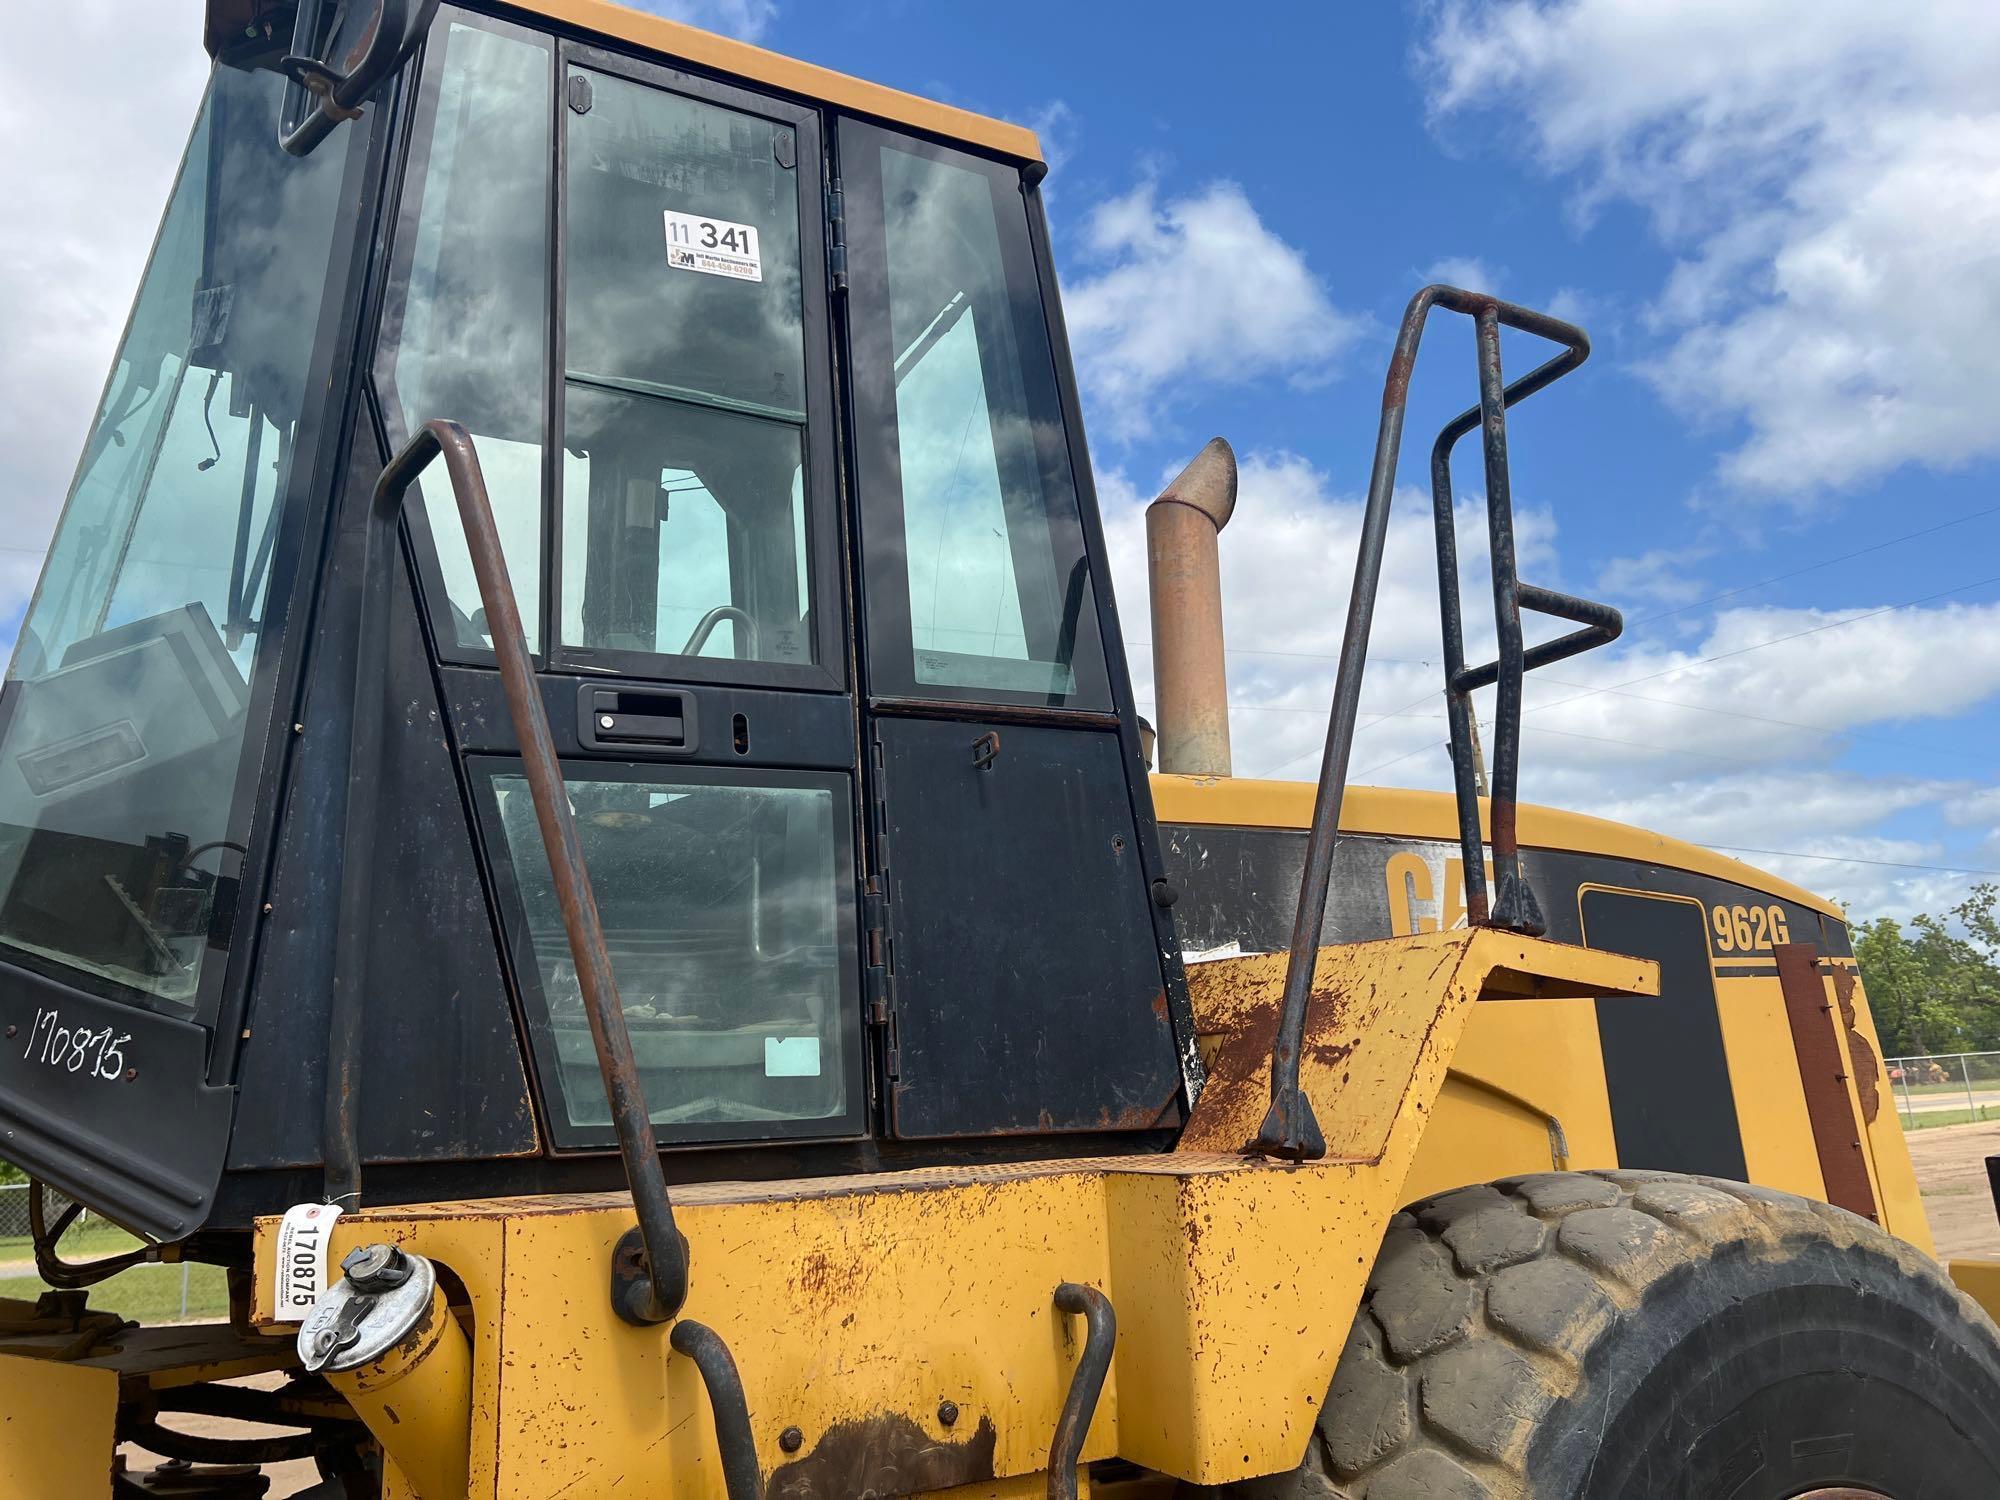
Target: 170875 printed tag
x,y
303,1236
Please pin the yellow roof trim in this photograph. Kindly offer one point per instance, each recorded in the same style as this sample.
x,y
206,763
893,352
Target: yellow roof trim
x,y
755,65
1403,813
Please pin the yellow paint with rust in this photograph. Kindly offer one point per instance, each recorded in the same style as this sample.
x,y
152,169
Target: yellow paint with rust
x,y
417,1398
57,1425
1770,1094
1523,1064
1525,1094
846,1299
1979,1280
1889,1166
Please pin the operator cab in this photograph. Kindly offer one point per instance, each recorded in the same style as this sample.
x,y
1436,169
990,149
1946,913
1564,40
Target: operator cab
x,y
766,375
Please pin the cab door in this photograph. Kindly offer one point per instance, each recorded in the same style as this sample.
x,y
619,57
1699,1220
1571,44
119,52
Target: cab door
x,y
636,335
1026,974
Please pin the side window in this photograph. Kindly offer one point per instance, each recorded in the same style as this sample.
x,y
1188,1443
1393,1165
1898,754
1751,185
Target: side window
x,y
973,555
684,522
465,332
731,936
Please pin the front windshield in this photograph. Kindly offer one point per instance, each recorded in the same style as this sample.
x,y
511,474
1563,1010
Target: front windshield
x,y
123,716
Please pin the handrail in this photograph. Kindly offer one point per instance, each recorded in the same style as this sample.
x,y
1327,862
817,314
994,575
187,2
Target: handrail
x,y
1086,1382
655,1294
1513,908
1290,1130
741,1478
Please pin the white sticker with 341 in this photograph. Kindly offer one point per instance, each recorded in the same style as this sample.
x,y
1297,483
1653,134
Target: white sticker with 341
x,y
714,247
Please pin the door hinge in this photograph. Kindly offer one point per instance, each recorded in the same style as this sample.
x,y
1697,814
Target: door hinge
x,y
878,974
836,235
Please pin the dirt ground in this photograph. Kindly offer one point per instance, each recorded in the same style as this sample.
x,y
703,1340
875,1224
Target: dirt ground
x,y
1951,1171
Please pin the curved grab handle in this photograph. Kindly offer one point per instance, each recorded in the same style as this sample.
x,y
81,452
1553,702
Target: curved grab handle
x,y
705,627
649,1280
1086,1383
740,1476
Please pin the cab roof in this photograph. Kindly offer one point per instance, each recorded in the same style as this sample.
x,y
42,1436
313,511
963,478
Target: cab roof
x,y
679,42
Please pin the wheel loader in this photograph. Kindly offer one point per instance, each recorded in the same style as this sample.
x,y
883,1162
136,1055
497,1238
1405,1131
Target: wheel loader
x,y
573,813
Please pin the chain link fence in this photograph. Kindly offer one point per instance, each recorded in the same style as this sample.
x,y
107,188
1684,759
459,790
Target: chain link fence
x,y
154,1293
1946,1088
14,1223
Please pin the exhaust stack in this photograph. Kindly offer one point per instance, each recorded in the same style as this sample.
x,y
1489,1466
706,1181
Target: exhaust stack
x,y
1183,569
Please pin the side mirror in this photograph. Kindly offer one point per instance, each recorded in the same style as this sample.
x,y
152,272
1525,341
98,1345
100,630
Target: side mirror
x,y
343,51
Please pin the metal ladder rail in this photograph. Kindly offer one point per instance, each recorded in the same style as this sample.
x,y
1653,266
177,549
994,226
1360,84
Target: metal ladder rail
x,y
1290,1130
1514,908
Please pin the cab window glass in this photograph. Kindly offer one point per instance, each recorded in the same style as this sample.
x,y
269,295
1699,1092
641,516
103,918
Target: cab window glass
x,y
685,408
729,937
973,541
465,331
126,707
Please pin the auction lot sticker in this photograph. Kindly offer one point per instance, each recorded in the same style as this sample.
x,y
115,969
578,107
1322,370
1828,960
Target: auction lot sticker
x,y
714,247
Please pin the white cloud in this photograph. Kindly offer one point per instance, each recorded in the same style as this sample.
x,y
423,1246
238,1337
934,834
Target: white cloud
x,y
1829,171
1744,751
748,20
1057,127
1662,576
1195,290
94,154
1465,271
1287,567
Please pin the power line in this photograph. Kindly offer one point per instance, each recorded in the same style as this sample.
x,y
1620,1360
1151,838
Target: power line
x,y
1678,609
1814,567
1848,859
1663,614
1704,661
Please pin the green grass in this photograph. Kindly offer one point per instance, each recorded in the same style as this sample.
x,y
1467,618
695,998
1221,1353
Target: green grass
x,y
86,1241
1928,1119
145,1294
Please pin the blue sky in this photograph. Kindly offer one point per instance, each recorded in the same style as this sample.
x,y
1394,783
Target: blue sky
x,y
1779,221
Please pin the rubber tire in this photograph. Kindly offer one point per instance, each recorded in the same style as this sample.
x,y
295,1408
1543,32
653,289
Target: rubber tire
x,y
1630,1335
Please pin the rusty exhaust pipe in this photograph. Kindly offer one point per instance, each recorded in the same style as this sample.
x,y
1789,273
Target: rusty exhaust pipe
x,y
1183,569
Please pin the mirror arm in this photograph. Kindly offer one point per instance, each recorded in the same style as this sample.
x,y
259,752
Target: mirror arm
x,y
398,27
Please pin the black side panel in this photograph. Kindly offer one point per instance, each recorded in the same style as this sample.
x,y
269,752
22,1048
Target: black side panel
x,y
441,1070
1671,1104
1028,990
68,1058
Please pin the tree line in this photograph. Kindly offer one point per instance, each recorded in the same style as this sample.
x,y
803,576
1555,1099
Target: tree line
x,y
1934,985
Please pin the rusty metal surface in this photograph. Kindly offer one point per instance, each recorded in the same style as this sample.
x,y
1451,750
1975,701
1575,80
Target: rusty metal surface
x,y
885,1455
1289,1129
1862,1061
1183,572
1843,1160
659,1295
1372,1008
